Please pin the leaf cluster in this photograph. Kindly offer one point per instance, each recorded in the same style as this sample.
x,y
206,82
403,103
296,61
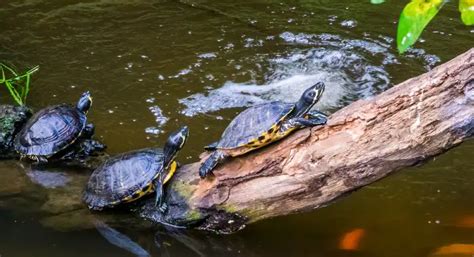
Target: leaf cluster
x,y
418,13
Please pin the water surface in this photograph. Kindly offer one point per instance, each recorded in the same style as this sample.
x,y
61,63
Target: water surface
x,y
154,66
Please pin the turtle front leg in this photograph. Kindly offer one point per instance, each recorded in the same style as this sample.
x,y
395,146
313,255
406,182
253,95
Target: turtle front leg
x,y
88,131
313,114
311,119
211,162
211,147
158,184
303,123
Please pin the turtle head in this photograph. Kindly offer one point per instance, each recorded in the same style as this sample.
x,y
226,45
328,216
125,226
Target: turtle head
x,y
84,102
174,143
313,94
309,98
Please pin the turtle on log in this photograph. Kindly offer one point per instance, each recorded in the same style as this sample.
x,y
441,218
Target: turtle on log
x,y
263,124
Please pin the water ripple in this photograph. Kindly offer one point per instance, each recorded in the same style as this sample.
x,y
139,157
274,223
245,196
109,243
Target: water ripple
x,y
350,68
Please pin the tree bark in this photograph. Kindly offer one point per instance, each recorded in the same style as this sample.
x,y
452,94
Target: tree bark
x,y
361,143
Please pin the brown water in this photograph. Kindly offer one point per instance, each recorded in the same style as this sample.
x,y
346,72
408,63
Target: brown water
x,y
154,66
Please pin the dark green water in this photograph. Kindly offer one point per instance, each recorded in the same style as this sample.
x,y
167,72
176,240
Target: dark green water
x,y
153,66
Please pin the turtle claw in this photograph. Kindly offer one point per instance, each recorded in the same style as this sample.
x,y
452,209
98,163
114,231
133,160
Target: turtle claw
x,y
211,162
38,159
163,208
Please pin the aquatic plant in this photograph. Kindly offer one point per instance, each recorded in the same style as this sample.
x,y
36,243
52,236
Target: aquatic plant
x,y
18,84
418,13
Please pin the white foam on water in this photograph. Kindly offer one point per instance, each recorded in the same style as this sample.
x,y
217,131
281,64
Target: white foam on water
x,y
344,73
159,118
233,95
350,68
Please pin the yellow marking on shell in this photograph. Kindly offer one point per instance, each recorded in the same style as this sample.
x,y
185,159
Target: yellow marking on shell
x,y
283,134
173,167
266,138
148,189
139,193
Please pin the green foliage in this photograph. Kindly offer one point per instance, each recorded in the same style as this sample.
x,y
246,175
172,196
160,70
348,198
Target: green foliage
x,y
466,7
418,13
18,84
414,18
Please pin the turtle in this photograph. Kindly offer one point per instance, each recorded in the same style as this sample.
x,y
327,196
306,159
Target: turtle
x,y
263,124
129,176
53,129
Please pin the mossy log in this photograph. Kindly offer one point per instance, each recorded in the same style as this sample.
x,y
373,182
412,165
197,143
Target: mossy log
x,y
362,143
12,119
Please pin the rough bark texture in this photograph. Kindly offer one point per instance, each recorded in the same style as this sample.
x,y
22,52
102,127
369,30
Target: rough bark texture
x,y
361,143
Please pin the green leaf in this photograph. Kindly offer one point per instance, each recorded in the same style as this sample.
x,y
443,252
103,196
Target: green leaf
x,y
12,71
3,75
33,70
26,89
376,1
466,7
414,18
14,93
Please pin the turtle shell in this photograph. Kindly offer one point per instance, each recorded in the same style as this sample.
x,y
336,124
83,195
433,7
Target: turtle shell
x,y
119,178
252,123
50,131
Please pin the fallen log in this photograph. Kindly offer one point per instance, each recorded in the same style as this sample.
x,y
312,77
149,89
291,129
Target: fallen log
x,y
362,143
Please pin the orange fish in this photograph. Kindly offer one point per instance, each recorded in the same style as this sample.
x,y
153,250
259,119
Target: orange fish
x,y
350,241
466,222
456,249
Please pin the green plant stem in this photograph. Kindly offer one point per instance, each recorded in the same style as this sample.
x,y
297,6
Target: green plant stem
x,y
19,84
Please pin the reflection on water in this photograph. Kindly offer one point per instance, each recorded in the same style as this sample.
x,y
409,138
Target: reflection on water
x,y
120,240
154,66
48,179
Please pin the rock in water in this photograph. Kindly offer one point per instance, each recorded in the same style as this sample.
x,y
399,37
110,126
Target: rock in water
x,y
12,119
